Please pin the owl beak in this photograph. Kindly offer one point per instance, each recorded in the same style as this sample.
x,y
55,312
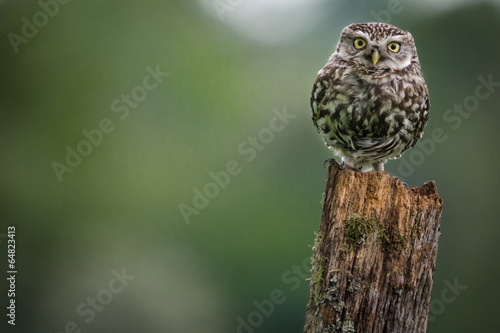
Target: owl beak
x,y
375,57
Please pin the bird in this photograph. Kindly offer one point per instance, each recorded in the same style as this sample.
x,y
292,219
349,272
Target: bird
x,y
370,102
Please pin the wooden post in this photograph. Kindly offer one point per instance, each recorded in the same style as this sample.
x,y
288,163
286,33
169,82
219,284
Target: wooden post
x,y
374,255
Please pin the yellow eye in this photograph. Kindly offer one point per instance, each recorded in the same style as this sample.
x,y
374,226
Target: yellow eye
x,y
359,43
394,47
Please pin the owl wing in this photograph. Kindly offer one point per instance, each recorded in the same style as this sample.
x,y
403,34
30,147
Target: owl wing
x,y
328,106
422,118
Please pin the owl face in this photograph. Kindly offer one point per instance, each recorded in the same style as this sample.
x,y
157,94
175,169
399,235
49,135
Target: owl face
x,y
377,46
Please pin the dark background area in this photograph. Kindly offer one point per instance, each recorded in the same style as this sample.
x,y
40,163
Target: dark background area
x,y
118,212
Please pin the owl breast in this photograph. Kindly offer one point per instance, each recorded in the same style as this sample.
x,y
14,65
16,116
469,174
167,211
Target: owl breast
x,y
369,117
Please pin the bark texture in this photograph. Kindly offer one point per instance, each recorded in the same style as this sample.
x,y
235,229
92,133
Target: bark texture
x,y
374,256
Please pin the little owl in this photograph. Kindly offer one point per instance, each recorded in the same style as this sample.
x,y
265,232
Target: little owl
x,y
370,101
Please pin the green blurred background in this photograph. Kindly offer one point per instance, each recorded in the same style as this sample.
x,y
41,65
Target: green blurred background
x,y
230,64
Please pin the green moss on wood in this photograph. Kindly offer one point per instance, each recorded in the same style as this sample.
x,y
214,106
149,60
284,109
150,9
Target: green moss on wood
x,y
390,241
318,268
357,230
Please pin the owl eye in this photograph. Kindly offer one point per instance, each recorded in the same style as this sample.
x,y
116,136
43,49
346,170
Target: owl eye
x,y
394,47
359,43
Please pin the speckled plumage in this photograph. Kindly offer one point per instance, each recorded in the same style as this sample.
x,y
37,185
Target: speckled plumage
x,y
370,103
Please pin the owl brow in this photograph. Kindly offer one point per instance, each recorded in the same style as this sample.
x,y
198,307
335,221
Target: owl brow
x,y
360,34
397,38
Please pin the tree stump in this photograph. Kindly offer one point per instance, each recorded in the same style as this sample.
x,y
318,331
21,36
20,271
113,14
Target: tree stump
x,y
374,255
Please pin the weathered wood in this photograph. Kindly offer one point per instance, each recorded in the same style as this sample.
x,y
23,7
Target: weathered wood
x,y
374,255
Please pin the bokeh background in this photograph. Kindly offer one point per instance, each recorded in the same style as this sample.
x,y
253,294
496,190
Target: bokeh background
x,y
232,65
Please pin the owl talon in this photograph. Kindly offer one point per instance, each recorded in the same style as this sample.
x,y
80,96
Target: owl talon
x,y
330,161
403,183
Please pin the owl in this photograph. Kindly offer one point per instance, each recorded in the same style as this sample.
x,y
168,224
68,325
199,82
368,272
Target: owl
x,y
370,101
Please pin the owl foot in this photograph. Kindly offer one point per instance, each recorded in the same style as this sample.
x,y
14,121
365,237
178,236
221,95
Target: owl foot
x,y
345,166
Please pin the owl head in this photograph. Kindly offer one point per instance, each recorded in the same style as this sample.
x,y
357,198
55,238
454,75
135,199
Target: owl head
x,y
377,46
